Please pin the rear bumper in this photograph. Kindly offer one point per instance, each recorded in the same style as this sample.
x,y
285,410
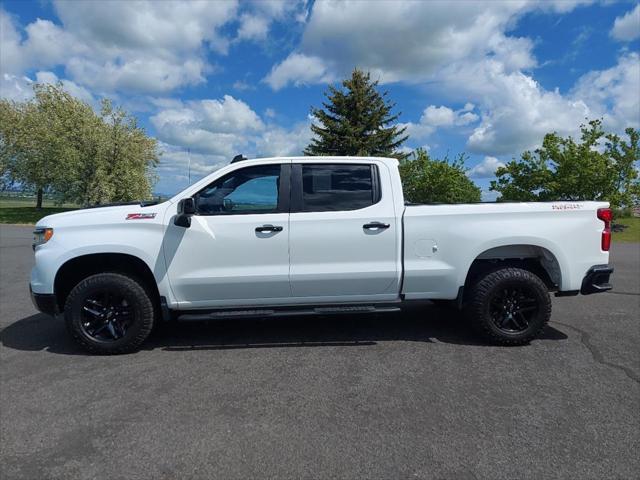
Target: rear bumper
x,y
597,280
44,302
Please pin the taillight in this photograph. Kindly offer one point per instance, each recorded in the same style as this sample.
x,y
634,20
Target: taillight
x,y
606,215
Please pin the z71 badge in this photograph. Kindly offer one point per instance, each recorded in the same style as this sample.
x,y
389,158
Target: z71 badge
x,y
140,216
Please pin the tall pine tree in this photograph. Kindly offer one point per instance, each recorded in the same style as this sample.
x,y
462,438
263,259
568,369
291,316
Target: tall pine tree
x,y
356,120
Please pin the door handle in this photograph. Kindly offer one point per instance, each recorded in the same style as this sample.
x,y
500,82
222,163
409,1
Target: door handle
x,y
269,228
375,226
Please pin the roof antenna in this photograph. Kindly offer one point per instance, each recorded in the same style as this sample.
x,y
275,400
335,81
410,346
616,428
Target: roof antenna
x,y
238,158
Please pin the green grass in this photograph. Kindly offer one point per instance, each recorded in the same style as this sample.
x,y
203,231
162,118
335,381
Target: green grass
x,y
27,215
23,210
631,233
31,202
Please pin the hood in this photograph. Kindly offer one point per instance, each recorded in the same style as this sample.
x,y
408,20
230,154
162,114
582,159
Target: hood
x,y
103,215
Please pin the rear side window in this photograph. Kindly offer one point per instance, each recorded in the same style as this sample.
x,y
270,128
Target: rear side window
x,y
334,187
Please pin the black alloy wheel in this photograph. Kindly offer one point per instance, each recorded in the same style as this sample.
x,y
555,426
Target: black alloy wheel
x,y
106,316
513,307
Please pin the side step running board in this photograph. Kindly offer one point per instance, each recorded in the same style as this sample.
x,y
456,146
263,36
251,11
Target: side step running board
x,y
288,312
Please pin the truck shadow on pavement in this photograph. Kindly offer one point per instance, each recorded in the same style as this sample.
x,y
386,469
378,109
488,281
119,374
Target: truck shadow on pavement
x,y
431,324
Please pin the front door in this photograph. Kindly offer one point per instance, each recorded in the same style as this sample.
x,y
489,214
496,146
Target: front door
x,y
236,251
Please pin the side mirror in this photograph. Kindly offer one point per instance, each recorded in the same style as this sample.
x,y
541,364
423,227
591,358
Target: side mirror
x,y
186,208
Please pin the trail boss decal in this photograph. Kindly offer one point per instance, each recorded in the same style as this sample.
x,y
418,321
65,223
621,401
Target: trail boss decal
x,y
566,206
140,216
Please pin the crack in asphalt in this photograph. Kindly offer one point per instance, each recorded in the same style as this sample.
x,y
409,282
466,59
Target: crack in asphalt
x,y
626,293
585,339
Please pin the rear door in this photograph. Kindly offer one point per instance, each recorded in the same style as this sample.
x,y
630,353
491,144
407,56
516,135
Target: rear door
x,y
343,233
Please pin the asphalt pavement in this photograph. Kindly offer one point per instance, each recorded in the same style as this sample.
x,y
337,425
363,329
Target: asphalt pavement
x,y
410,395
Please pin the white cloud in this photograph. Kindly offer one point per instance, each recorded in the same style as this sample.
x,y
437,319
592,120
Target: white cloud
x,y
486,168
144,46
209,126
227,127
256,22
47,44
444,116
140,75
164,28
113,46
336,39
277,141
20,88
137,47
15,87
515,110
613,93
627,27
71,87
242,86
11,59
434,117
44,45
438,116
230,115
299,69
253,27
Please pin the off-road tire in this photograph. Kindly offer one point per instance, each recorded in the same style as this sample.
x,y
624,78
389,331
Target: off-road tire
x,y
139,299
484,291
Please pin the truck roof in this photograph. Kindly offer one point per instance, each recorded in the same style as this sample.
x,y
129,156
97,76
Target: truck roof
x,y
304,159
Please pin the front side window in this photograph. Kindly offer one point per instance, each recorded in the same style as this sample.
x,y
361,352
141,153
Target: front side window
x,y
245,191
334,187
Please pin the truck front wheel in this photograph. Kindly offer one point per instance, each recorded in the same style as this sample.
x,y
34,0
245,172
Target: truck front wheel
x,y
510,306
109,313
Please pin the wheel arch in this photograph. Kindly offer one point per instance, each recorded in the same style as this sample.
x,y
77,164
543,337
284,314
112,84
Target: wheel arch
x,y
78,268
535,258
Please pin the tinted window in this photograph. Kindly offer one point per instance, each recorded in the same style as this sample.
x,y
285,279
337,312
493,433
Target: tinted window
x,y
249,190
336,187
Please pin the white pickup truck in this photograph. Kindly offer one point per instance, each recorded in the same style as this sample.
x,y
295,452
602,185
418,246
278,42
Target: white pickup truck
x,y
312,235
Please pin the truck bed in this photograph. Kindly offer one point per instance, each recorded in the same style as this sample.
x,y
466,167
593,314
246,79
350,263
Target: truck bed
x,y
442,241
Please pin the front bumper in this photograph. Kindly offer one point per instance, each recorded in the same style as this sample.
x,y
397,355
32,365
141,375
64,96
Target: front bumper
x,y
44,302
597,280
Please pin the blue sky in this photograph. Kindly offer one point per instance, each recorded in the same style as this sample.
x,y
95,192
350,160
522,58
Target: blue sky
x,y
217,78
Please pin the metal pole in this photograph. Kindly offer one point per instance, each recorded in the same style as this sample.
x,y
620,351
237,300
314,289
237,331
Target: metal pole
x,y
189,167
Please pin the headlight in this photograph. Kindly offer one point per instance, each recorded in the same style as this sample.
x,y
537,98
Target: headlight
x,y
41,235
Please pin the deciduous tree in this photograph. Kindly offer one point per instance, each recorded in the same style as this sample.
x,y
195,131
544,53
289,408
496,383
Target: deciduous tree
x,y
600,166
59,143
37,138
427,180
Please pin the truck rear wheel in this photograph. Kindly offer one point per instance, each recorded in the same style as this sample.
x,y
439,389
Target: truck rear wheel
x,y
109,313
510,306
